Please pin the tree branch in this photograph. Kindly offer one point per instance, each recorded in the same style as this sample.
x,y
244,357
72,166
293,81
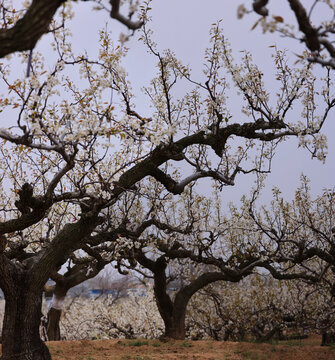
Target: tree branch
x,y
28,30
259,7
36,21
115,14
312,39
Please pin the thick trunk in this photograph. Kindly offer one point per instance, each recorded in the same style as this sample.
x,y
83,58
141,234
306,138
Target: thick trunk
x,y
328,338
21,327
175,327
173,313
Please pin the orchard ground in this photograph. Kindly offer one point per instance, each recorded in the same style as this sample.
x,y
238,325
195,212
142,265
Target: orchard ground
x,y
308,349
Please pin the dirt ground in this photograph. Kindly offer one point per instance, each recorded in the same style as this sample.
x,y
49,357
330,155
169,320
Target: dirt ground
x,y
308,349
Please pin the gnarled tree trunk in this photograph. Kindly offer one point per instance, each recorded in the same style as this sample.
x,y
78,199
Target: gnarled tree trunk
x,y
21,326
175,325
22,284
173,312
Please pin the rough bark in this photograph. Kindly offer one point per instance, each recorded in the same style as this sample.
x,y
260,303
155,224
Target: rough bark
x,y
53,329
27,31
174,321
173,312
36,22
172,315
175,327
21,327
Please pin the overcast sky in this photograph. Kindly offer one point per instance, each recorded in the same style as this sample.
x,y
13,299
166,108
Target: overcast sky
x,y
183,26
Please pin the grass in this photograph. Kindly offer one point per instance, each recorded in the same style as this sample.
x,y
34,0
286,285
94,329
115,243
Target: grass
x,y
136,343
186,344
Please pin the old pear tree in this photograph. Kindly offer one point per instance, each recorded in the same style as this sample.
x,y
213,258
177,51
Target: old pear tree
x,y
72,154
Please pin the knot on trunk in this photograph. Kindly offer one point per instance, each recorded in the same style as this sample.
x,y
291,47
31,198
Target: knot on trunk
x,y
27,202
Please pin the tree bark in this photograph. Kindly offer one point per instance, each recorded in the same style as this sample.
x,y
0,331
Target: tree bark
x,y
175,326
328,338
21,326
27,31
173,313
174,321
53,329
23,284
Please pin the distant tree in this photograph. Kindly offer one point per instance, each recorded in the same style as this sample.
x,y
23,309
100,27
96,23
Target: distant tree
x,y
79,270
74,151
186,253
88,264
213,247
279,310
299,237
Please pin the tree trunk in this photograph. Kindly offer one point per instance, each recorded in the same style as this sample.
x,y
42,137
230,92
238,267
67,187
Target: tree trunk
x,y
55,312
328,338
53,329
175,327
172,312
21,326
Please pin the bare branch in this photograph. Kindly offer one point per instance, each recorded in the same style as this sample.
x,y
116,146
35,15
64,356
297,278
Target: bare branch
x,y
115,14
